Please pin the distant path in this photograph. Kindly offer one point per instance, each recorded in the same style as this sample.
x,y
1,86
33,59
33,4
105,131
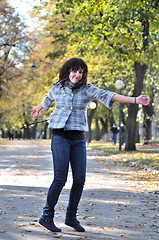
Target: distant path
x,y
118,202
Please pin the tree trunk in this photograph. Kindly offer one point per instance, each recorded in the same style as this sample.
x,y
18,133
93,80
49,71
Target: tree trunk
x,y
98,137
140,71
137,133
90,117
147,130
27,134
33,133
3,133
131,127
147,124
104,125
45,130
111,118
148,113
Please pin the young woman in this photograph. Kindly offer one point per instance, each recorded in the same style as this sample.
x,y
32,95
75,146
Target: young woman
x,y
68,122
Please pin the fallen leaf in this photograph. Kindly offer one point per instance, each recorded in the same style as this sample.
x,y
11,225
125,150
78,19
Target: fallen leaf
x,y
21,225
85,217
32,224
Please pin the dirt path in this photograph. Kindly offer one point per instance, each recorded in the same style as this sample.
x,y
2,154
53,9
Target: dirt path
x,y
118,202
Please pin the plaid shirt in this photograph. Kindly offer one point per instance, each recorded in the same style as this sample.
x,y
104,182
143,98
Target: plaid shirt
x,y
70,110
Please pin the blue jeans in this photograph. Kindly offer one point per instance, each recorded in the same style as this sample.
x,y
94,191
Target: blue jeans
x,y
114,137
64,152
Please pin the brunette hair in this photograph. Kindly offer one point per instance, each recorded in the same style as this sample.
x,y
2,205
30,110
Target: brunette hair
x,y
73,64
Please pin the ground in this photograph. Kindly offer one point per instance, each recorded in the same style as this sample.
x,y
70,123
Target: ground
x,y
119,201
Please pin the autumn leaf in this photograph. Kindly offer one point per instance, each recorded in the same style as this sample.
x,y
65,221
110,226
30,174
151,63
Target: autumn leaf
x,y
85,217
21,225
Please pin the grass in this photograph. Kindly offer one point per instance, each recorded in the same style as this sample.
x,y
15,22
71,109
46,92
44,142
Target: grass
x,y
144,155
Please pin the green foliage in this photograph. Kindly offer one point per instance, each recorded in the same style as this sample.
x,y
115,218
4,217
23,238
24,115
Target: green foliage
x,y
13,43
109,35
56,54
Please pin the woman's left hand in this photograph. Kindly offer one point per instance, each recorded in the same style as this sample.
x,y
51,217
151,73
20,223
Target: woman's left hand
x,y
143,100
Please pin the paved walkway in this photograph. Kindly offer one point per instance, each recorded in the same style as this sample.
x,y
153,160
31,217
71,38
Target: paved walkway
x,y
118,202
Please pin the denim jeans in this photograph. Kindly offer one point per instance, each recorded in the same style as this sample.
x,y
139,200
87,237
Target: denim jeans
x,y
64,152
114,137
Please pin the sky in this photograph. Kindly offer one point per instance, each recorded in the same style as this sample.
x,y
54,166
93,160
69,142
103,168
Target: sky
x,y
23,6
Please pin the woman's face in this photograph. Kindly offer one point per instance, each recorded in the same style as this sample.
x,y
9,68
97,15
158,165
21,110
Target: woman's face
x,y
75,75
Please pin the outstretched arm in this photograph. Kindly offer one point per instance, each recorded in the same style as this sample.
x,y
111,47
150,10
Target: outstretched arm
x,y
142,99
36,110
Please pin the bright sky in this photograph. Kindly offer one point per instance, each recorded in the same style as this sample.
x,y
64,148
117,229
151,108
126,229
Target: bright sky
x,y
23,6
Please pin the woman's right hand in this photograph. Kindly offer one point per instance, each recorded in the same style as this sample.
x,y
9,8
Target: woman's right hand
x,y
34,112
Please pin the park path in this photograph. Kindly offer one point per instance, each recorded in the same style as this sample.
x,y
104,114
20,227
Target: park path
x,y
119,202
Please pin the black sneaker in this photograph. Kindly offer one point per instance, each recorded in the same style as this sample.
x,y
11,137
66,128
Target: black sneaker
x,y
74,224
49,225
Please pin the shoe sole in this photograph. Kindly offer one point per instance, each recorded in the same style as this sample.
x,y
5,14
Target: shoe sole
x,y
77,229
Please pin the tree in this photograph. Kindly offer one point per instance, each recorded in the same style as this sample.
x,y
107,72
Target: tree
x,y
91,112
118,39
13,39
40,74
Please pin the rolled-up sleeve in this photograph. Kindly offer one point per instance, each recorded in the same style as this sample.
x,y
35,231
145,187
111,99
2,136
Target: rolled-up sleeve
x,y
101,95
48,99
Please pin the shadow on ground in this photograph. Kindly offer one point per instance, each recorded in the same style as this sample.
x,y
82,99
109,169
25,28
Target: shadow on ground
x,y
112,205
